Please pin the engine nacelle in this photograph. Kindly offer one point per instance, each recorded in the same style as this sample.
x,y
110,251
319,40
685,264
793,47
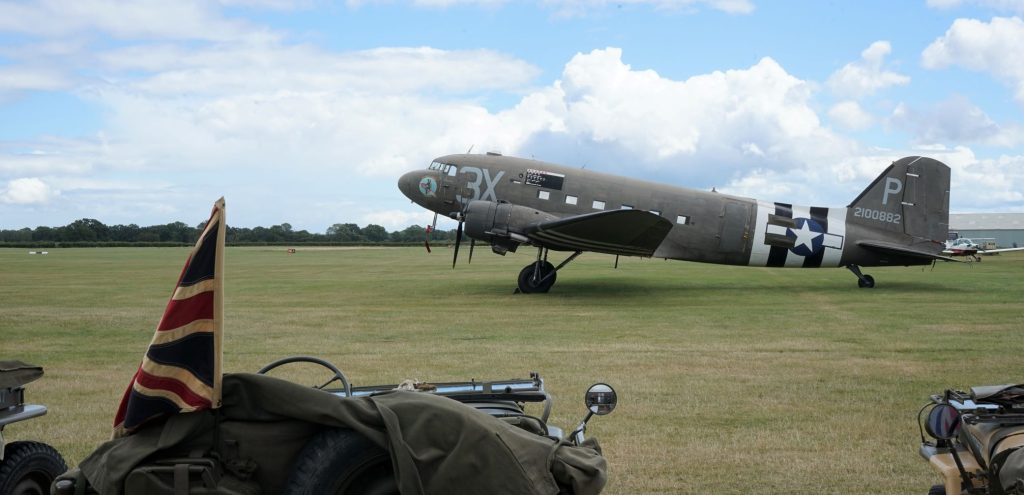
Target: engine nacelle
x,y
501,224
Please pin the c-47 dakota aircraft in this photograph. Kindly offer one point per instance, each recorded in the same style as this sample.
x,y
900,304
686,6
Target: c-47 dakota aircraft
x,y
508,202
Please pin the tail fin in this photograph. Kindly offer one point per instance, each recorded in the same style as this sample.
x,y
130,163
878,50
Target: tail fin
x,y
911,197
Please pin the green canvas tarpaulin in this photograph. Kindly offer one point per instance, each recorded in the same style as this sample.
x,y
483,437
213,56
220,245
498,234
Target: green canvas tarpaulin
x,y
16,373
437,445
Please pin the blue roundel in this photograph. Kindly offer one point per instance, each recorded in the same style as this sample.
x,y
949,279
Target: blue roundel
x,y
808,237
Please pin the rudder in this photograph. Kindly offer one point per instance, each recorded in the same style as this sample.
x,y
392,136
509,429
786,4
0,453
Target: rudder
x,y
909,197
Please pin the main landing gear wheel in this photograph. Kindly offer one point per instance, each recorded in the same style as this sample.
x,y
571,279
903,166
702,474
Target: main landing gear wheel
x,y
868,282
532,279
863,281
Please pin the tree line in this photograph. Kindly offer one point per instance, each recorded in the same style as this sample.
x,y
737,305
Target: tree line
x,y
91,232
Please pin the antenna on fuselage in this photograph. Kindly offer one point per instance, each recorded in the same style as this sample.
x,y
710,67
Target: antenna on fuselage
x,y
470,150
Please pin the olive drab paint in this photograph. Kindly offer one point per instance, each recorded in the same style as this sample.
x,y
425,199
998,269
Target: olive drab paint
x,y
901,218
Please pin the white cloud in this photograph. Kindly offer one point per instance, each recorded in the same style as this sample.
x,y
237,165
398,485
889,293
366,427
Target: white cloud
x,y
579,7
955,121
866,76
1001,5
702,129
996,47
222,70
993,184
849,115
27,191
138,19
31,78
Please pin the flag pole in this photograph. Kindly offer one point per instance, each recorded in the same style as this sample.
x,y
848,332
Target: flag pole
x,y
218,305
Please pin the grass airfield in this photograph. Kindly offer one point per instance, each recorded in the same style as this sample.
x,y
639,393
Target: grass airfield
x,y
730,379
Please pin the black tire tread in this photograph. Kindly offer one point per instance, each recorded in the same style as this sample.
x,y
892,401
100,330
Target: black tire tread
x,y
24,457
330,455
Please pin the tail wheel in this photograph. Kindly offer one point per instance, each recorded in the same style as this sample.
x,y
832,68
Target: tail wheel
x,y
342,462
528,284
28,468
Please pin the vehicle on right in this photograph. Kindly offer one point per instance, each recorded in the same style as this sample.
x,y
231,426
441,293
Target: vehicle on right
x,y
977,440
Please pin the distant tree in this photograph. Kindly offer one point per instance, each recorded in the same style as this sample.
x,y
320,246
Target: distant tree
x,y
412,233
85,229
375,233
344,232
44,234
124,233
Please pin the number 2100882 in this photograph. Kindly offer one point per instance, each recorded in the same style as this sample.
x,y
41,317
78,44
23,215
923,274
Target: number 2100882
x,y
882,216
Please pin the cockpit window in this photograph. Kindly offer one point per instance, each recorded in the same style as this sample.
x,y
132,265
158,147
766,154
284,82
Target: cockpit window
x,y
444,168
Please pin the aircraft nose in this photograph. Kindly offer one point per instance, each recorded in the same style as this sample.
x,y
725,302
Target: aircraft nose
x,y
408,184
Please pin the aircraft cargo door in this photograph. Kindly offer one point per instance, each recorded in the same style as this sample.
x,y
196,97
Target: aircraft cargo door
x,y
735,227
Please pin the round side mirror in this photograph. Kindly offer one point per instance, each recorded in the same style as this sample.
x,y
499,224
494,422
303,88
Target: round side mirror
x,y
943,422
600,399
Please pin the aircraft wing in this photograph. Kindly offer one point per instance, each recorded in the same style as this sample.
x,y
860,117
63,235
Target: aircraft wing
x,y
1003,250
902,250
621,232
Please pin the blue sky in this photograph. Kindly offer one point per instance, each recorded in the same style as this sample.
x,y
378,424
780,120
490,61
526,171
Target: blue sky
x,y
307,112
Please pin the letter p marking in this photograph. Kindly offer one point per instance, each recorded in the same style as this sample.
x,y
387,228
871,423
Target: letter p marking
x,y
892,186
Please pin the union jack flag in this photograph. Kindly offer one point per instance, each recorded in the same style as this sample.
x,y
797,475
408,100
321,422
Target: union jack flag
x,y
181,369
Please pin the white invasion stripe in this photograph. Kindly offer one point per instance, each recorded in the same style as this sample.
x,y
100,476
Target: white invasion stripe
x,y
759,251
832,241
836,229
793,259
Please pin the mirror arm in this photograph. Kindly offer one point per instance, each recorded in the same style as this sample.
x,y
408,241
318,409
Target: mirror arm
x,y
577,435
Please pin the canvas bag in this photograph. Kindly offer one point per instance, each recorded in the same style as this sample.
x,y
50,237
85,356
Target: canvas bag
x,y
194,475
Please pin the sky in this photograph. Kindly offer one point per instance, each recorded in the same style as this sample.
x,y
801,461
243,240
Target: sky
x,y
307,112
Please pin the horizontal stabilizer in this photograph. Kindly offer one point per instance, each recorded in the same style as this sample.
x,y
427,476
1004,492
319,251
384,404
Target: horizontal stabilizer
x,y
902,250
621,232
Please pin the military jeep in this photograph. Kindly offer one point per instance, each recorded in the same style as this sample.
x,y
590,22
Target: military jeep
x,y
273,436
26,467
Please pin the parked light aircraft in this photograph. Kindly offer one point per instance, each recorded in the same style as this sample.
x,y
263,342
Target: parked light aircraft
x,y
900,219
970,248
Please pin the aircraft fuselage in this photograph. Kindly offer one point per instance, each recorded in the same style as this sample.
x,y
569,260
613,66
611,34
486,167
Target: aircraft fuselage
x,y
708,226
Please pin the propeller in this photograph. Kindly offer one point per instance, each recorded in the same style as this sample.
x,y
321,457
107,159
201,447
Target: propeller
x,y
472,242
430,228
458,242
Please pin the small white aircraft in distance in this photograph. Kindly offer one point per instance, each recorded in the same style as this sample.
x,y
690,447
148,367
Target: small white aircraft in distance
x,y
964,246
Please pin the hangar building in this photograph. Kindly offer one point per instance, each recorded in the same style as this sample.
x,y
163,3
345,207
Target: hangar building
x,y
1006,228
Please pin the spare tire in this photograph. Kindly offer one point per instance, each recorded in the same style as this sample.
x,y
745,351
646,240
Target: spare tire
x,y
341,462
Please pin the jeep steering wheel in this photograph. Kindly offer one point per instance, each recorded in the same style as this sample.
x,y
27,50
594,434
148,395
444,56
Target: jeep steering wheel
x,y
338,375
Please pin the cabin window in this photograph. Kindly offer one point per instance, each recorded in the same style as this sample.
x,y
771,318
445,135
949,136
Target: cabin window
x,y
626,207
656,212
682,220
543,194
452,170
570,199
598,204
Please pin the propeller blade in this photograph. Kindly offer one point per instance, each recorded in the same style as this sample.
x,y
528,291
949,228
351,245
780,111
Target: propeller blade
x,y
472,242
458,241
